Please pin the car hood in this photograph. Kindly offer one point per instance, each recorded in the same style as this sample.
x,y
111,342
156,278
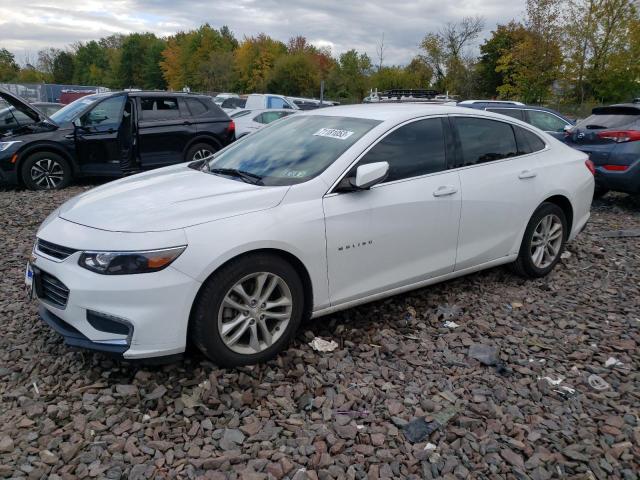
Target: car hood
x,y
168,199
25,107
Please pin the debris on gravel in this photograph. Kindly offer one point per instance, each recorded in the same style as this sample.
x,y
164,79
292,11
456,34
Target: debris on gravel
x,y
347,414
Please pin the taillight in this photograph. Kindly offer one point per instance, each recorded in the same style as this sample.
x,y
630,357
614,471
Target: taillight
x,y
590,166
231,128
615,168
620,136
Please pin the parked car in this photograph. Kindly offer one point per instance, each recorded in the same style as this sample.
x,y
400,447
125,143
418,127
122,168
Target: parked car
x,y
311,103
232,104
611,137
221,97
319,212
11,119
543,118
260,101
254,120
95,134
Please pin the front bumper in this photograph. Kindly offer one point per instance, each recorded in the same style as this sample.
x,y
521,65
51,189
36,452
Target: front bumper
x,y
131,316
8,174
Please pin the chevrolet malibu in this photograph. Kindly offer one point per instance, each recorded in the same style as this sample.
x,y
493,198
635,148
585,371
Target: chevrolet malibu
x,y
316,213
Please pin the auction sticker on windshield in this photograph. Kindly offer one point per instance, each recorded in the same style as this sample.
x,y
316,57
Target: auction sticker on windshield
x,y
333,133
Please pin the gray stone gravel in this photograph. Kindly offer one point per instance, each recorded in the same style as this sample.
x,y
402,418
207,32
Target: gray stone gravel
x,y
341,415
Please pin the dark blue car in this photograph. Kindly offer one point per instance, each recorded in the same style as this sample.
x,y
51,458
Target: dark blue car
x,y
543,118
611,137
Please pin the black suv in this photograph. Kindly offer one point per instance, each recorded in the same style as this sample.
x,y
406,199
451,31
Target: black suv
x,y
110,134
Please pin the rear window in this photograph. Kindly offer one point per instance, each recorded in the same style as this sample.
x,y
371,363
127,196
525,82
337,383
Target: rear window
x,y
610,117
528,142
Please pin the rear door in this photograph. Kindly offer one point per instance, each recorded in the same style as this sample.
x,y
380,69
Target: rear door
x,y
164,129
498,180
403,230
97,137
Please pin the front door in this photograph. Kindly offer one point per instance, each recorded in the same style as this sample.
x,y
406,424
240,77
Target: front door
x,y
97,137
399,232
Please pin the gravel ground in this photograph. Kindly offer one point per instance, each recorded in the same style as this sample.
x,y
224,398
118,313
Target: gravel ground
x,y
345,414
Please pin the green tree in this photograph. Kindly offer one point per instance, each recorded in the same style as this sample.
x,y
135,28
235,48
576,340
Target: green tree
x,y
8,67
254,60
138,64
295,74
63,65
501,41
91,64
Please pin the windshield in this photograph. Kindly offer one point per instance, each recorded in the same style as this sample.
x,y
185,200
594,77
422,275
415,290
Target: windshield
x,y
71,111
293,150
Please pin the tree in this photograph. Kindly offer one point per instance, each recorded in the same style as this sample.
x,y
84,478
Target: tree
x,y
63,65
295,74
138,64
380,52
444,53
349,80
8,67
91,63
254,60
501,41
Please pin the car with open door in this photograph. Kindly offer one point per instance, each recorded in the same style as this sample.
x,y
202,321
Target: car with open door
x,y
109,134
315,213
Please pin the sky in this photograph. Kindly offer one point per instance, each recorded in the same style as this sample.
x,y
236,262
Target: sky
x,y
27,26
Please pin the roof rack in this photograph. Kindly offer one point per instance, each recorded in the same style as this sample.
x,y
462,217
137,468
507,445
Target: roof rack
x,y
498,102
407,95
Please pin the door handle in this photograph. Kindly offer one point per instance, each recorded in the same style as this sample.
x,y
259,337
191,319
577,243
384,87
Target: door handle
x,y
445,190
527,174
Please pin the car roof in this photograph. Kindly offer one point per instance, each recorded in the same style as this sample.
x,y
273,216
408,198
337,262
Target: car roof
x,y
391,111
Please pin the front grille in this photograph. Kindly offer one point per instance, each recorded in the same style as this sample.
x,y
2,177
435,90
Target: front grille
x,y
52,290
53,250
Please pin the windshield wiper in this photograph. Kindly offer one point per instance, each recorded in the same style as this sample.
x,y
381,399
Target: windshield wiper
x,y
234,172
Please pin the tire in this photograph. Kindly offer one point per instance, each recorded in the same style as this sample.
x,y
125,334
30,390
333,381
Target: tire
x,y
199,151
46,171
210,316
600,192
529,264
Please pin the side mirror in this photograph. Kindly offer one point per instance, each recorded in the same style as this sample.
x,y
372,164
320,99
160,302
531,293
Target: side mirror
x,y
370,174
567,128
366,177
76,122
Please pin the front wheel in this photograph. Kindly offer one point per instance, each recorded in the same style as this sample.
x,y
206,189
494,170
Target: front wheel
x,y
248,310
46,171
543,242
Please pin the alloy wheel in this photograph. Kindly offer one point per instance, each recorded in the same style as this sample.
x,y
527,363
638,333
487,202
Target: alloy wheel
x,y
202,154
47,173
546,241
255,313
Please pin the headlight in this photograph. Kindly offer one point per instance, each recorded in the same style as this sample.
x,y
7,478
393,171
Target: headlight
x,y
124,263
5,145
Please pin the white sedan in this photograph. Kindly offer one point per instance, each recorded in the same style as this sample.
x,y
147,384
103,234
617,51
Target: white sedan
x,y
316,213
250,121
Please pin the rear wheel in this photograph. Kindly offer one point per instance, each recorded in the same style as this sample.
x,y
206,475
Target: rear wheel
x,y
200,151
248,310
543,241
46,171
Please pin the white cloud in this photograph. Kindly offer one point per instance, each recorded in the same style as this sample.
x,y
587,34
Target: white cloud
x,y
339,24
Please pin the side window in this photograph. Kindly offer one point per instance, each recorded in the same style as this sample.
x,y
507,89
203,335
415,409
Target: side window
x,y
259,119
484,140
7,118
528,142
546,121
275,102
411,150
21,118
268,117
155,108
509,112
196,107
107,113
